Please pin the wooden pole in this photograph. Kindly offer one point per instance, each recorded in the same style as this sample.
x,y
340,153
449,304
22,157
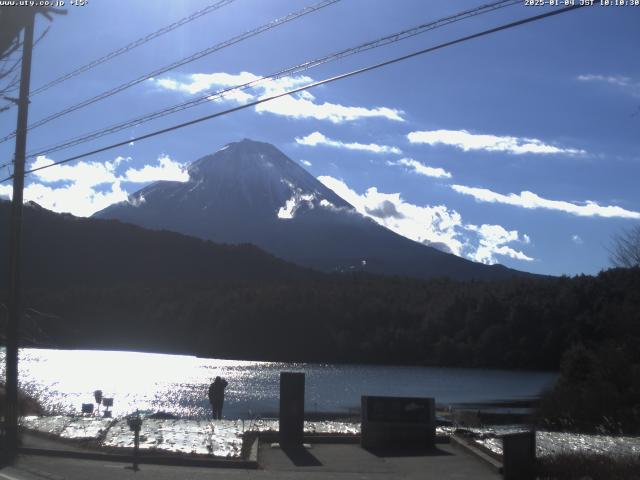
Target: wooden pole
x,y
15,247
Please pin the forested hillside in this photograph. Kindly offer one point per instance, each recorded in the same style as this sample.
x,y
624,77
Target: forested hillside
x,y
355,318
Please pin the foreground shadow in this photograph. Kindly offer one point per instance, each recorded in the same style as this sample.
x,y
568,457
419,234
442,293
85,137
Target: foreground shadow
x,y
300,456
408,452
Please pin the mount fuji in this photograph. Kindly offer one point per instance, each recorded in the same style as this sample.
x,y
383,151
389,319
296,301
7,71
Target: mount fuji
x,y
250,192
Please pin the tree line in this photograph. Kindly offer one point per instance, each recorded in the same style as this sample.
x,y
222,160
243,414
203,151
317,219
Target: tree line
x,y
521,323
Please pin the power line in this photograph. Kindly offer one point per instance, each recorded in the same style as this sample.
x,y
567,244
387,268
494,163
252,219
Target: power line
x,y
132,45
211,95
312,85
208,51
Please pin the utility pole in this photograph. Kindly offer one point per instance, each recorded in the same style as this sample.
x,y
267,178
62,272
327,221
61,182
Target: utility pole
x,y
15,247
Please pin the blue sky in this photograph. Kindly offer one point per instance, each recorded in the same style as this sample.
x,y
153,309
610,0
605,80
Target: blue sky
x,y
518,148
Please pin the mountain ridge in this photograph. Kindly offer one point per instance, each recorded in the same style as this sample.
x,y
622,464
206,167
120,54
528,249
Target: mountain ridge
x,y
251,192
61,249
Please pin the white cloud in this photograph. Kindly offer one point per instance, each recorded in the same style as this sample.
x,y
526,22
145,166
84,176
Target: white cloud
x,y
622,82
422,224
166,169
306,163
81,173
493,240
530,200
422,169
577,239
618,80
299,105
199,82
492,143
80,199
237,96
92,174
317,138
6,191
224,83
432,225
78,194
296,106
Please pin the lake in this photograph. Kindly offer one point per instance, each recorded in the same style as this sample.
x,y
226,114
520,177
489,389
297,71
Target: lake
x,y
64,379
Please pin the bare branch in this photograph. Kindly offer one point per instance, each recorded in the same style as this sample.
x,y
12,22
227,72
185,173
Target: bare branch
x,y
8,71
625,249
42,35
12,48
11,86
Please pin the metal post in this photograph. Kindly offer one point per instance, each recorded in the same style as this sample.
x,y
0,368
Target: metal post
x,y
135,425
15,240
136,449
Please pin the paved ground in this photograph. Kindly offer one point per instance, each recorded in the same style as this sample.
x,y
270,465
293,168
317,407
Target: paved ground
x,y
223,438
351,461
348,462
40,441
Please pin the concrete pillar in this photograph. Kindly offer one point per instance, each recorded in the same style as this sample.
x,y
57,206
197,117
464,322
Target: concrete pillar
x,y
519,455
291,408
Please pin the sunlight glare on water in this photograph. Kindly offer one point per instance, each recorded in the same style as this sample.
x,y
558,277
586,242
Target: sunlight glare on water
x,y
64,379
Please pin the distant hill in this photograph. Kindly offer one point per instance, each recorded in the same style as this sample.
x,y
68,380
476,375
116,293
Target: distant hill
x,y
250,192
61,250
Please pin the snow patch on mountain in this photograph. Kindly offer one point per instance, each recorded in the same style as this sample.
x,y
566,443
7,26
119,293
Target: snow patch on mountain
x,y
299,199
136,201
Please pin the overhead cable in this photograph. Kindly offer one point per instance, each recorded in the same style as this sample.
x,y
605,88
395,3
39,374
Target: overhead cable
x,y
311,85
130,46
196,56
218,94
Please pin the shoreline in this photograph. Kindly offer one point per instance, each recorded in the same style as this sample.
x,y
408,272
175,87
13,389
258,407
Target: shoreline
x,y
292,362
